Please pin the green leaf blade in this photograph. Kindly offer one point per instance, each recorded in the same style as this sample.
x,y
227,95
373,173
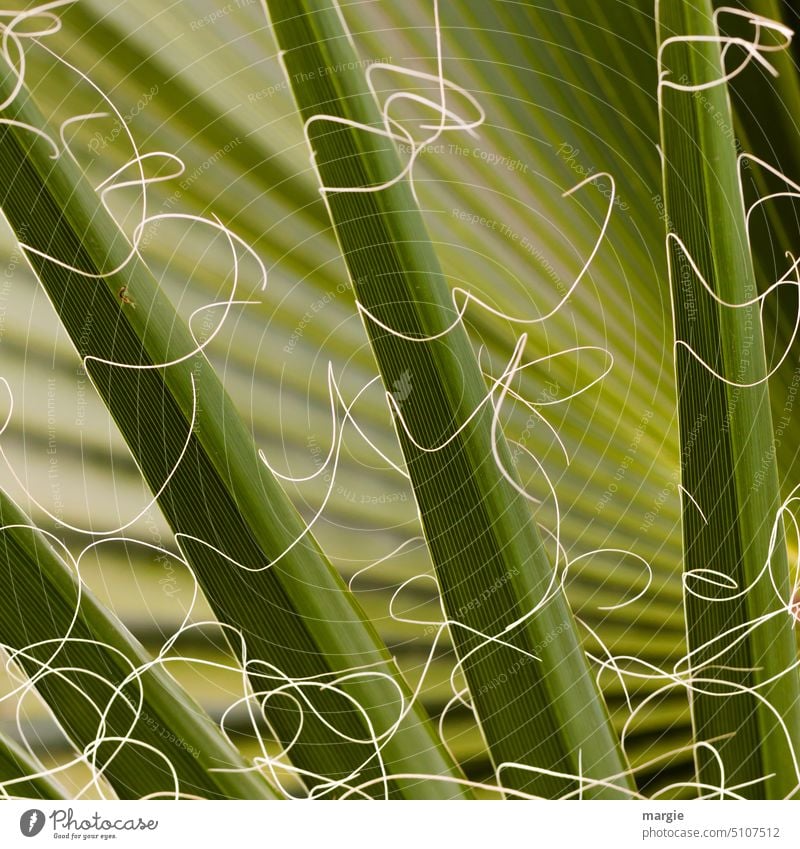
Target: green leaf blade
x,y
16,771
543,714
741,638
76,653
297,618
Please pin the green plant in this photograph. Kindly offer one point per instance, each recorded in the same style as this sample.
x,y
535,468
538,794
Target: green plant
x,y
743,653
498,205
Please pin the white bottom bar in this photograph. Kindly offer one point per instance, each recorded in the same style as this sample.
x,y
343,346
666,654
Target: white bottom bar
x,y
401,825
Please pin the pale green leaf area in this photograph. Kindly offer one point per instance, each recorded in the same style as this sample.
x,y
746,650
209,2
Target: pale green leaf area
x,y
568,90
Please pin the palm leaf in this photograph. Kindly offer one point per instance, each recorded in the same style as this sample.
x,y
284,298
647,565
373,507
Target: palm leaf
x,y
490,562
16,769
102,687
745,689
296,617
548,76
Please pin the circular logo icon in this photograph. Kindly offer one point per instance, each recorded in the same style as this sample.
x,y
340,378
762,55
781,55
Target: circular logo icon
x,y
31,822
